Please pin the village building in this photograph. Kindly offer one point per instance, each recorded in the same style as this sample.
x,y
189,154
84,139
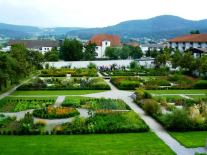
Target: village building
x,y
197,43
36,45
103,41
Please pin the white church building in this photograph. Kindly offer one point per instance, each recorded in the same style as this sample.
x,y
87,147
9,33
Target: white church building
x,y
103,41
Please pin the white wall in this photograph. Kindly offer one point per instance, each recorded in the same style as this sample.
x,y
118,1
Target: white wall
x,y
83,64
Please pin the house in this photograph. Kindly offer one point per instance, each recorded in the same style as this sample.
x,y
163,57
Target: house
x,y
151,47
103,41
36,45
191,41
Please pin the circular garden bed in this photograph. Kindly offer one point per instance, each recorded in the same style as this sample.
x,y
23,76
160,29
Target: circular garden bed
x,y
55,113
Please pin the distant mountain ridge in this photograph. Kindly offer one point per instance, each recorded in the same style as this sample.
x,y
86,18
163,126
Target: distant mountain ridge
x,y
166,26
159,27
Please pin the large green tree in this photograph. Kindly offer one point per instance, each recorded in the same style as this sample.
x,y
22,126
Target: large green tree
x,y
90,51
71,50
52,55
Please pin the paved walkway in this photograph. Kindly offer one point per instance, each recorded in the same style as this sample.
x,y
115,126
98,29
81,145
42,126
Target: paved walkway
x,y
59,101
14,88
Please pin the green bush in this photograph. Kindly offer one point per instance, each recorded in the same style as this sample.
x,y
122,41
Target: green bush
x,y
177,121
151,107
201,84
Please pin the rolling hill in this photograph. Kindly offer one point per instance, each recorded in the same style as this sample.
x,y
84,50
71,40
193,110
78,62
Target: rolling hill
x,y
159,27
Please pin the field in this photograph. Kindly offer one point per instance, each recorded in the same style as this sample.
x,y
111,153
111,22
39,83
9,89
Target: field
x,y
56,92
189,91
191,139
115,144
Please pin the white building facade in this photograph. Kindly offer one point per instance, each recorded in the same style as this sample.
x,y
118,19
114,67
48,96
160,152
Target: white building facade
x,y
103,41
42,46
184,43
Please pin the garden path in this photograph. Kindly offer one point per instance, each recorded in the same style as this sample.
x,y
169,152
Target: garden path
x,y
13,89
19,115
59,101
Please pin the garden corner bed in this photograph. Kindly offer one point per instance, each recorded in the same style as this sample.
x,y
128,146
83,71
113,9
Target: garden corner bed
x,y
16,104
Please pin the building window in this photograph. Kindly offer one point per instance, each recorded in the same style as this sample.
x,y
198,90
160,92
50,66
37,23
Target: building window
x,y
106,43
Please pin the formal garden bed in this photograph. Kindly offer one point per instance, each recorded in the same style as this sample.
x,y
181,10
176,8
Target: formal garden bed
x,y
104,121
63,72
10,126
171,82
55,112
16,104
95,104
66,84
104,116
176,114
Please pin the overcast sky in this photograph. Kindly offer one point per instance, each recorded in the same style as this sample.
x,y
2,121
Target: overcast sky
x,y
94,13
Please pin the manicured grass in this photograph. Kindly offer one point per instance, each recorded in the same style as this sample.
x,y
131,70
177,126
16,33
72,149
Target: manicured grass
x,y
191,139
56,92
114,144
191,91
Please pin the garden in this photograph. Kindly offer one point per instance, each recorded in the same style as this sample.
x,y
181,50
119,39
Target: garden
x,y
63,72
104,116
175,114
16,104
66,83
170,82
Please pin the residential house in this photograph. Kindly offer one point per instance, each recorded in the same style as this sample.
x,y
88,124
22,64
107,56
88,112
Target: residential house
x,y
103,41
36,45
194,42
151,47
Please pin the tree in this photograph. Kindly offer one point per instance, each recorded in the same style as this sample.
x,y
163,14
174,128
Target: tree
x,y
176,58
195,32
203,65
161,59
71,50
20,53
188,62
135,52
152,53
90,51
52,55
125,52
112,53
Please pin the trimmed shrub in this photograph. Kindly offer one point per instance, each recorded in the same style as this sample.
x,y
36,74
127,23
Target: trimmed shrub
x,y
201,84
151,107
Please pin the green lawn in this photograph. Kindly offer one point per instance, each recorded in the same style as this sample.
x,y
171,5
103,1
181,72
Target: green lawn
x,y
191,139
114,144
56,92
191,91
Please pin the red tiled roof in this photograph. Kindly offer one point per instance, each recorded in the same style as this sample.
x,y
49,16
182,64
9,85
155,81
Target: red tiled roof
x,y
97,39
191,38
